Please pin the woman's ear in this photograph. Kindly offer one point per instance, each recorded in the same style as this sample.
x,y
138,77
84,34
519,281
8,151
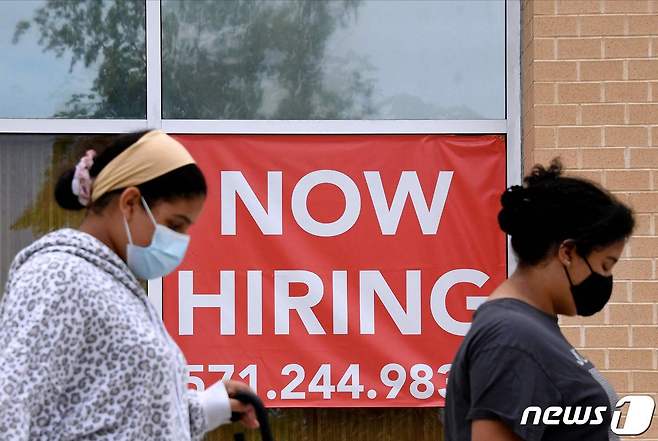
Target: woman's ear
x,y
129,201
566,252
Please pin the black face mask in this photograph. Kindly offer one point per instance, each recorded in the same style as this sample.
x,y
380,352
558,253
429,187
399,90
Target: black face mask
x,y
590,295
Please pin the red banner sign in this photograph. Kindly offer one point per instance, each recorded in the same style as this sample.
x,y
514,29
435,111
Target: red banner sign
x,y
338,271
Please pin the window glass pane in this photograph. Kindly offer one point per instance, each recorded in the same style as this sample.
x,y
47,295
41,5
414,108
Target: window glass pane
x,y
339,59
29,168
72,59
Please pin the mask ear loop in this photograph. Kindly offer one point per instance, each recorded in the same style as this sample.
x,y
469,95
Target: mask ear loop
x,y
148,211
588,265
125,222
566,271
568,276
125,225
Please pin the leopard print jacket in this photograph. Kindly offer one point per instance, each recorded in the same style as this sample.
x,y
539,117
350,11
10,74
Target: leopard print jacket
x,y
83,354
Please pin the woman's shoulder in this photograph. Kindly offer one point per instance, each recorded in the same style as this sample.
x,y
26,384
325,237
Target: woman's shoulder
x,y
69,257
51,269
511,323
52,276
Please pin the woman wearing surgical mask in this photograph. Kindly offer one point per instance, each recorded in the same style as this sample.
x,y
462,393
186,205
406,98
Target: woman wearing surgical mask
x,y
567,234
83,354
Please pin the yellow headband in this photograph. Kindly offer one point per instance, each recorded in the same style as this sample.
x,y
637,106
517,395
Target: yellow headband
x,y
153,155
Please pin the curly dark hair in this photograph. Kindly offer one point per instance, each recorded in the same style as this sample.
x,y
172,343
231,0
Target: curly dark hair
x,y
550,208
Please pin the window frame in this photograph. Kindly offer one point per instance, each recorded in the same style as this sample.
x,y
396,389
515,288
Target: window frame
x,y
510,126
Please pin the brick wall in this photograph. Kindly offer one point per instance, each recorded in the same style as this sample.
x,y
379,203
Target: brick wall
x,y
590,96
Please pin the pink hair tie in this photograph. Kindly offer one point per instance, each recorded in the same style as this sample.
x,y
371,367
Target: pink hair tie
x,y
82,182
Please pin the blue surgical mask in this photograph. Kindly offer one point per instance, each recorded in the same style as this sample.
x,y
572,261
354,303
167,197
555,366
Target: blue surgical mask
x,y
162,256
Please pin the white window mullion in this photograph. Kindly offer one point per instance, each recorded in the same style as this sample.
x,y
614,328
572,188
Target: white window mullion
x,y
71,125
352,127
153,65
513,107
513,93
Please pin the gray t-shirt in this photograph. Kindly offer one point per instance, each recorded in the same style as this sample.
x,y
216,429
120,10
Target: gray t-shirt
x,y
515,356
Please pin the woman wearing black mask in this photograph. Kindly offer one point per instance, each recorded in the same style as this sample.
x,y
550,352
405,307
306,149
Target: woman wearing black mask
x,y
568,234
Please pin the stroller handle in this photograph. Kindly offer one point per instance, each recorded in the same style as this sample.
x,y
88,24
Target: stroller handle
x,y
261,413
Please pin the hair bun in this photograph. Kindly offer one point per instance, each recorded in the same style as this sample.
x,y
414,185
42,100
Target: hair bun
x,y
540,174
513,196
64,192
512,216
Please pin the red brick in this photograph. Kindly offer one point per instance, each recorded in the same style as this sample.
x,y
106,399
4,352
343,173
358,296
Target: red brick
x,y
607,336
616,180
596,319
579,136
618,379
644,291
644,158
643,224
644,202
633,269
590,175
555,70
544,93
595,25
552,26
544,7
630,359
630,313
642,24
626,92
544,49
579,6
602,114
626,136
643,113
643,69
620,292
626,6
546,115
645,381
645,336
579,93
601,70
578,48
603,158
545,137
635,47
644,246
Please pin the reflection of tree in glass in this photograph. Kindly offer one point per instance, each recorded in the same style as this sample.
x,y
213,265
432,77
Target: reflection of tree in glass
x,y
109,33
43,214
258,59
239,59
